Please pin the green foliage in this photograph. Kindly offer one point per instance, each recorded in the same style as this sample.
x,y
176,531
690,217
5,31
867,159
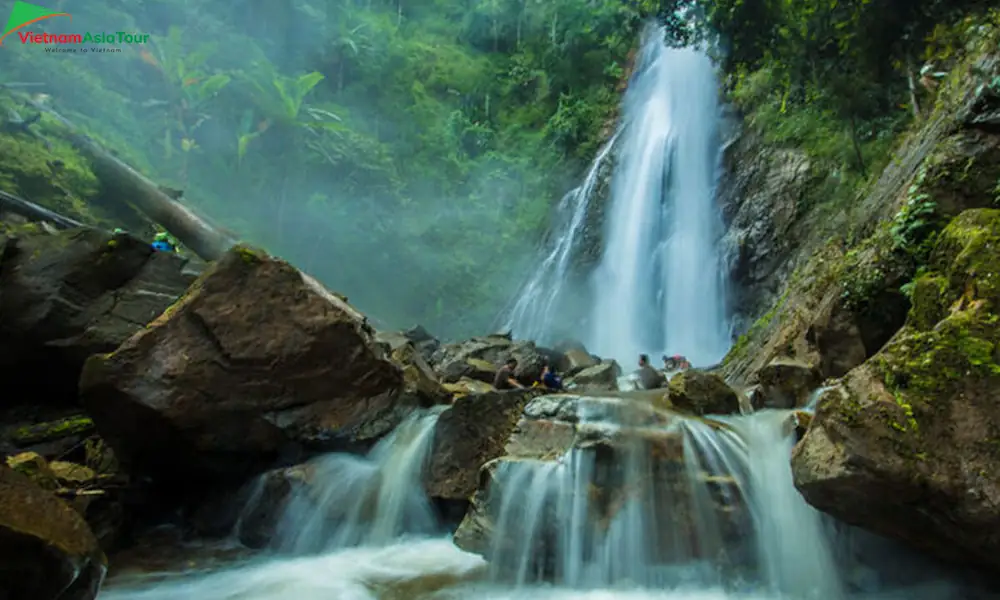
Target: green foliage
x,y
836,78
914,227
406,152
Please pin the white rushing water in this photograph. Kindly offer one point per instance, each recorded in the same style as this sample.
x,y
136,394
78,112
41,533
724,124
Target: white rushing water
x,y
541,304
688,510
659,285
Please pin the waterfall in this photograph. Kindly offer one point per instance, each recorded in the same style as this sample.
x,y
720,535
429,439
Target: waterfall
x,y
363,500
541,304
646,505
715,509
659,285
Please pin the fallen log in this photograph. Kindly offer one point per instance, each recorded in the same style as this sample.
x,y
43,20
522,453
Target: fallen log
x,y
190,229
34,212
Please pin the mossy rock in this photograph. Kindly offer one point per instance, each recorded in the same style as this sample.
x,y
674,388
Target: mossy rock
x,y
953,329
907,444
702,393
968,254
33,466
53,430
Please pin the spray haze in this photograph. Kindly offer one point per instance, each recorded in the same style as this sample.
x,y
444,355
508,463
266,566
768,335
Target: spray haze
x,y
405,153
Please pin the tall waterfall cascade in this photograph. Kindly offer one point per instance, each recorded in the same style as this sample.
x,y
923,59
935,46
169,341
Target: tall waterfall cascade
x,y
543,301
659,285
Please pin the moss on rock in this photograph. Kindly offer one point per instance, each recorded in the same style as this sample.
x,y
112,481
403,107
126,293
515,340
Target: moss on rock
x,y
952,329
52,430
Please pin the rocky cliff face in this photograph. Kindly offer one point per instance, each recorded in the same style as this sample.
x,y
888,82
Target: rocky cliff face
x,y
908,443
894,303
826,286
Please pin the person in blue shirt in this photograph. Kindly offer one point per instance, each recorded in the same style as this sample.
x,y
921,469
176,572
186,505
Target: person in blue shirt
x,y
550,380
162,243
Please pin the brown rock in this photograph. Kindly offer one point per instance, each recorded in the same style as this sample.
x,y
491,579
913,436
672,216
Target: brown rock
x,y
465,386
786,383
802,421
479,358
471,433
575,360
46,549
603,376
419,380
907,444
702,393
253,360
72,294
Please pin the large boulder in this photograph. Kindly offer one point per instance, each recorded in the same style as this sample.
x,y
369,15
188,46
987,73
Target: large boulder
x,y
256,361
471,433
906,445
575,360
602,376
425,343
47,552
786,383
702,393
73,293
420,382
480,357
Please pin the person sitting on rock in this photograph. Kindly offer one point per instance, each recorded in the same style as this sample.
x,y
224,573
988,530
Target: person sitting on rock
x,y
675,363
649,378
505,376
549,379
162,243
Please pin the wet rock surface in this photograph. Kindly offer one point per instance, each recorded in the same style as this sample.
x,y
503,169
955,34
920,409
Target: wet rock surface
x,y
479,358
905,445
619,449
73,293
702,393
46,549
602,376
255,361
468,435
786,383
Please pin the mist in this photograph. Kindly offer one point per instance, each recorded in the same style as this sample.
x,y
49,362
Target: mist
x,y
406,153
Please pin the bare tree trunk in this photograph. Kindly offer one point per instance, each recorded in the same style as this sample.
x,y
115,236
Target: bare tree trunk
x,y
913,89
520,21
857,147
33,212
132,187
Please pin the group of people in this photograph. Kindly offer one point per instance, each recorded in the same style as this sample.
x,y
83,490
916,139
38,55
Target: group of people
x,y
648,376
505,379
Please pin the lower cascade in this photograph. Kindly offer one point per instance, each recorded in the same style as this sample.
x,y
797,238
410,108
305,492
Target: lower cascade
x,y
598,497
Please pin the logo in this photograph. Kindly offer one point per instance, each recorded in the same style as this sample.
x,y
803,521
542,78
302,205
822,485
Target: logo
x,y
25,14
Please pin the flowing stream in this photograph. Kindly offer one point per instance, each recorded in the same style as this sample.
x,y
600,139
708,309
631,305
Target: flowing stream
x,y
695,509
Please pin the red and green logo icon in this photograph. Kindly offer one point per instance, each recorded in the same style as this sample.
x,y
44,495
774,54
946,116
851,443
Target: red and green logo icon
x,y
24,14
